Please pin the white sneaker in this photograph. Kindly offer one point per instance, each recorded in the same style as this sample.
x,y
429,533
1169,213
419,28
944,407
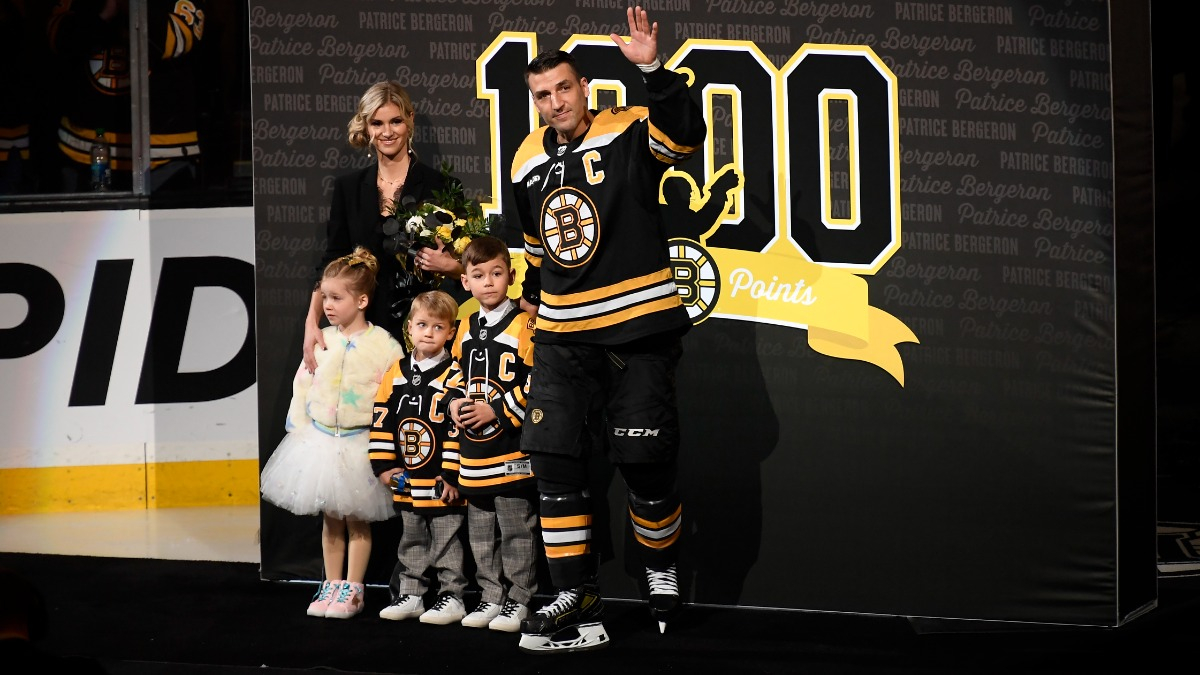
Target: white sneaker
x,y
482,616
509,617
403,607
447,609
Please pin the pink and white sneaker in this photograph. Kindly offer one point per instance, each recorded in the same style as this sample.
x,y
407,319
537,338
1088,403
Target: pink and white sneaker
x,y
348,601
323,598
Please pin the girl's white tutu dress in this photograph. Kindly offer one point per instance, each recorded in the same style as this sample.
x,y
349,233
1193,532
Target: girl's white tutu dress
x,y
322,464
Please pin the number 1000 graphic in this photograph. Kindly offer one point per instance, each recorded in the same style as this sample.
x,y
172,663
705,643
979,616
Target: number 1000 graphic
x,y
816,141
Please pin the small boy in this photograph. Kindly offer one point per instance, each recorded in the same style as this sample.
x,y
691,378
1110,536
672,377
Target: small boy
x,y
494,354
413,442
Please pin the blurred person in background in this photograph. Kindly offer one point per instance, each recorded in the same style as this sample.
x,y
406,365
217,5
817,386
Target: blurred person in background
x,y
91,39
15,111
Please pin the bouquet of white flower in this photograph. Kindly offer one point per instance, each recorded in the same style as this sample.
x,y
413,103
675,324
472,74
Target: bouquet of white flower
x,y
450,218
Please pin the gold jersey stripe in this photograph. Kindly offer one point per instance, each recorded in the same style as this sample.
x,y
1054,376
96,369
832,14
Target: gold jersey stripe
x,y
658,136
567,551
488,482
529,155
566,522
611,122
610,319
659,524
471,462
606,292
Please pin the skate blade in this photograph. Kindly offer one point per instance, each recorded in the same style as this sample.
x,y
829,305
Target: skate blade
x,y
662,616
574,639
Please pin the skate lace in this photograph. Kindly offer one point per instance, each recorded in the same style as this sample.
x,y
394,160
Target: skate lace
x,y
561,604
663,582
344,594
509,610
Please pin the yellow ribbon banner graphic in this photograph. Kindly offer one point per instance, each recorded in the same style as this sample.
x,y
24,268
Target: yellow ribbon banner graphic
x,y
830,302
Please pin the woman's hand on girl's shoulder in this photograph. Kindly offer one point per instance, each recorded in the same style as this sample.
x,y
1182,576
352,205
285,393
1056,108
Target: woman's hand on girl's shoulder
x,y
313,338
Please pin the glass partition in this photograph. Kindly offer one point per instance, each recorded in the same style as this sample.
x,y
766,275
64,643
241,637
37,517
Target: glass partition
x,y
125,104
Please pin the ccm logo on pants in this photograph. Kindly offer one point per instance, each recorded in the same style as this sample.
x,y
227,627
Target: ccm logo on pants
x,y
635,432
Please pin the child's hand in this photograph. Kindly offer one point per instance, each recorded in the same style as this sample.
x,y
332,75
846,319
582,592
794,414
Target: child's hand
x,y
456,408
475,415
449,492
386,476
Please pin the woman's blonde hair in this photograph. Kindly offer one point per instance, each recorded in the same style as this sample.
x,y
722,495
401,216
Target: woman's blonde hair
x,y
358,269
377,96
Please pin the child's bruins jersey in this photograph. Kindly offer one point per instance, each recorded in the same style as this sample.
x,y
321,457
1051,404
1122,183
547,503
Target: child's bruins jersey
x,y
411,429
599,268
492,363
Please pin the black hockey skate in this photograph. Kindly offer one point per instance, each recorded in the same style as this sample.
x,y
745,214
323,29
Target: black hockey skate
x,y
569,624
664,595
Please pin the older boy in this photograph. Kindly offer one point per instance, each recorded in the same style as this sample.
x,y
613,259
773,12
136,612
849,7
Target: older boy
x,y
494,353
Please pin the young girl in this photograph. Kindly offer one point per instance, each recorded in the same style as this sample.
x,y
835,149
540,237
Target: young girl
x,y
321,466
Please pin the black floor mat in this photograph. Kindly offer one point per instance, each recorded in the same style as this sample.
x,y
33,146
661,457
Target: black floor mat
x,y
139,617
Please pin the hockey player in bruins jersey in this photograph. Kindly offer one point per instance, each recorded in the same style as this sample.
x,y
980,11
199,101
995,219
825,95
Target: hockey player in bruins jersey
x,y
609,324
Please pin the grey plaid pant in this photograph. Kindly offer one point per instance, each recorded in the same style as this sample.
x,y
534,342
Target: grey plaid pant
x,y
503,534
430,542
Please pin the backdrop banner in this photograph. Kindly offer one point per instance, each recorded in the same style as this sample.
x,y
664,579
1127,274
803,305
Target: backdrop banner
x,y
900,247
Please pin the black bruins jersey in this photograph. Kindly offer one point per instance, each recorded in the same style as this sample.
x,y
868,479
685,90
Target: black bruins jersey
x,y
411,429
599,268
97,54
492,364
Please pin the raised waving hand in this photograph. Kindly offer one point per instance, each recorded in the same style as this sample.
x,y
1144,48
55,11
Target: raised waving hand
x,y
642,48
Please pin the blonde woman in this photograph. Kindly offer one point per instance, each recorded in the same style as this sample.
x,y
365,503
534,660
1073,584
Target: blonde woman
x,y
383,128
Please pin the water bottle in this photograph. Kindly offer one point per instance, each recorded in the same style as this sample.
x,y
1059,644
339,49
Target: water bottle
x,y
101,163
399,482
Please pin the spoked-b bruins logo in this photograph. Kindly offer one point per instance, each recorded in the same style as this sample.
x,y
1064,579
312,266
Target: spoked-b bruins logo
x,y
570,227
483,391
696,277
416,442
110,71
